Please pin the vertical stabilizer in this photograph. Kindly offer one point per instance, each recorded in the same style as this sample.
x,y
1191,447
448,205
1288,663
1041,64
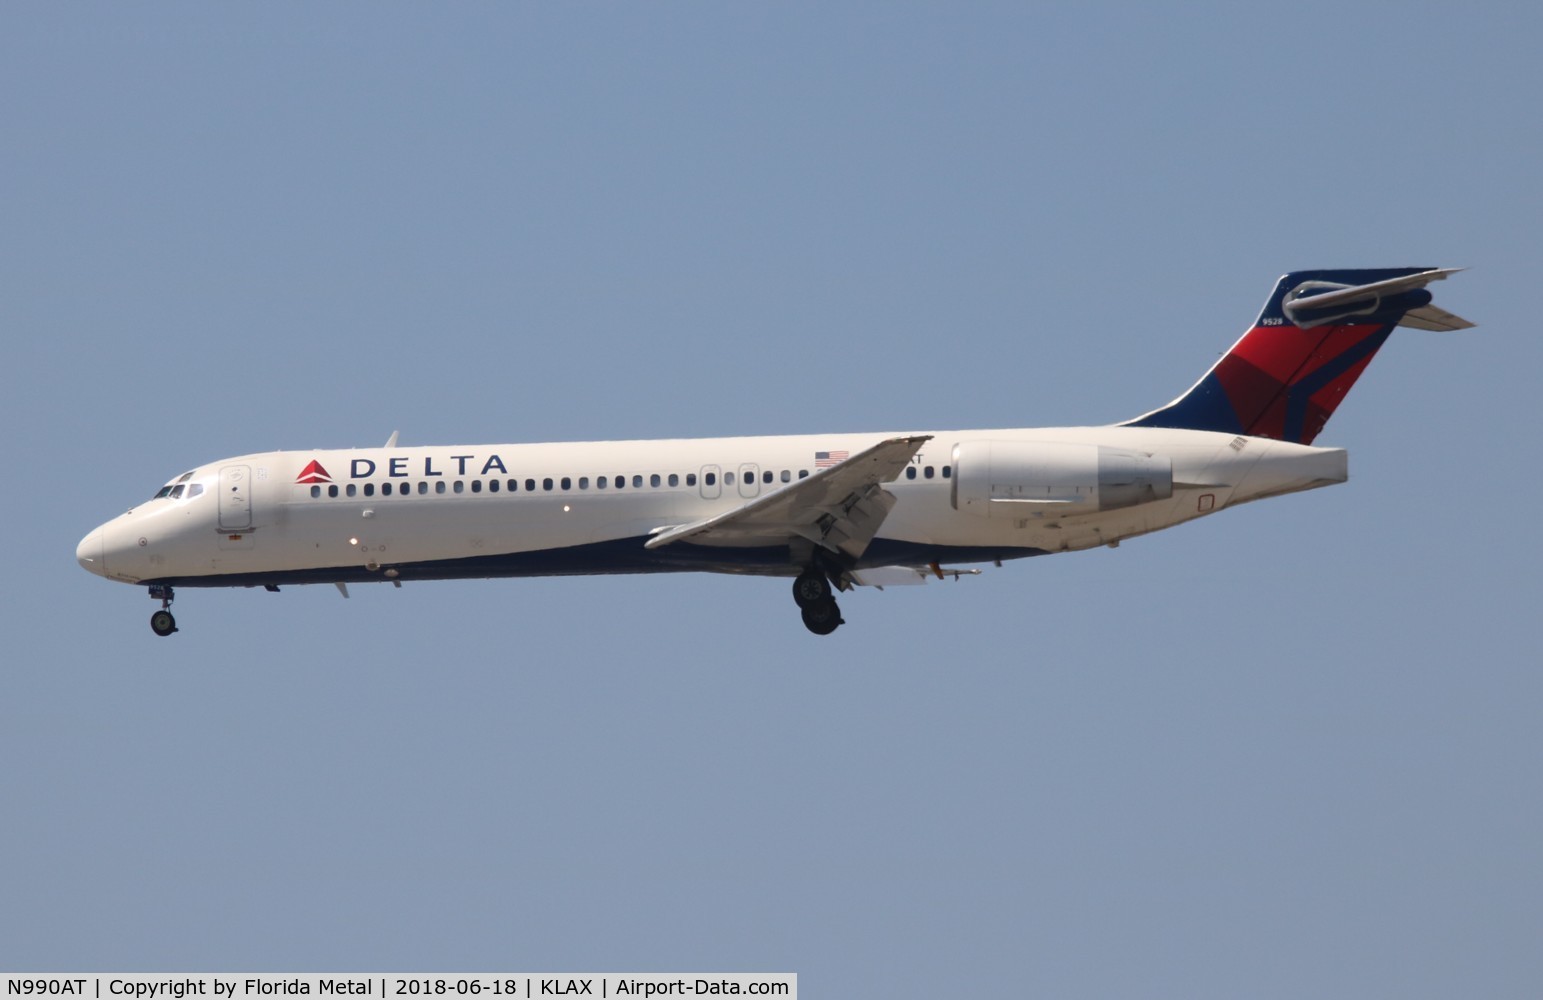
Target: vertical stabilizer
x,y
1315,336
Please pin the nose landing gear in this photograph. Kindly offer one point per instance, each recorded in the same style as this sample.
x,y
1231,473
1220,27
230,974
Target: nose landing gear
x,y
162,623
812,594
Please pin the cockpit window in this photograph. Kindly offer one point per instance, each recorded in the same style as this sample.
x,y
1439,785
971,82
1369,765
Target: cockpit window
x,y
174,488
195,489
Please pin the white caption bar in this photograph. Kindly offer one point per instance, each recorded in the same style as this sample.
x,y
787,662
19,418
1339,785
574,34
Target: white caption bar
x,y
398,985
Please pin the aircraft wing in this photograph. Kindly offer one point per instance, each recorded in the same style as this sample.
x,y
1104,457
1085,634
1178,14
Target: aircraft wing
x,y
839,508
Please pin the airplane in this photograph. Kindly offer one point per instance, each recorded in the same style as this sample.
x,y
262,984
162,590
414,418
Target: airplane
x,y
830,511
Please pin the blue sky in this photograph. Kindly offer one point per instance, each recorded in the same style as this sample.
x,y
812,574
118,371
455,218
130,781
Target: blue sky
x,y
1291,750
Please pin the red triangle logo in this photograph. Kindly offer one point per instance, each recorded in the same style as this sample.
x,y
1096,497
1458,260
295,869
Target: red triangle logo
x,y
313,473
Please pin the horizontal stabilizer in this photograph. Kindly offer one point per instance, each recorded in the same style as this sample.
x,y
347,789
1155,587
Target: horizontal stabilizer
x,y
1434,318
1315,303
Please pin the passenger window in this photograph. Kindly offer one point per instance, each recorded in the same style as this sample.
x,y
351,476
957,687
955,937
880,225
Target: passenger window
x,y
476,485
567,483
385,489
787,477
439,487
460,487
369,489
492,486
583,483
691,479
653,480
927,472
601,482
803,473
352,490
332,491
711,479
766,476
423,489
315,492
674,479
948,470
514,485
621,481
530,485
728,479
637,482
910,472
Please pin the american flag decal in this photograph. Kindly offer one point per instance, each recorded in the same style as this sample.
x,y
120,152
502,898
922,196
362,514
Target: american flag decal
x,y
826,459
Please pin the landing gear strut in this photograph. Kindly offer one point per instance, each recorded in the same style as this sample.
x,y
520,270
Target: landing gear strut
x,y
811,591
162,623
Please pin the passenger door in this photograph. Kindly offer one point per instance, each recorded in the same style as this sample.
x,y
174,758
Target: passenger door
x,y
235,498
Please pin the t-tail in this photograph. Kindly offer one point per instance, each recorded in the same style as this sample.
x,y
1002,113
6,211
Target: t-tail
x,y
1314,338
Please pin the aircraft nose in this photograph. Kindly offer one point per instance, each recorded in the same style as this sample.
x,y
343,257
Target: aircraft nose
x,y
91,553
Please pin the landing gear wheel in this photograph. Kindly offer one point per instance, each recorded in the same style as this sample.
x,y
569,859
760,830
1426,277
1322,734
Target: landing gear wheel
x,y
162,623
822,617
810,588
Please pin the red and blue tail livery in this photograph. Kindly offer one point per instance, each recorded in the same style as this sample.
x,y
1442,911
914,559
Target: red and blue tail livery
x,y
1315,336
830,512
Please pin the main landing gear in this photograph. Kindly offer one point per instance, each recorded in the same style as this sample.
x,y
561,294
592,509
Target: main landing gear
x,y
162,623
811,591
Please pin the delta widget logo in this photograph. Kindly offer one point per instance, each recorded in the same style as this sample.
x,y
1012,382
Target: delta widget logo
x,y
313,473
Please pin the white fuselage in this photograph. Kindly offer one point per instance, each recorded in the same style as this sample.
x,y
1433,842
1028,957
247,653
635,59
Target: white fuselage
x,y
352,515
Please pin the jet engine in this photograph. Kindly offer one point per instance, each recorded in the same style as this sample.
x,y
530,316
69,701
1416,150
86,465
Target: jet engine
x,y
1019,478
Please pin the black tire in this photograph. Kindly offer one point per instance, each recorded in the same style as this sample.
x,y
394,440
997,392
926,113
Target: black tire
x,y
810,588
162,623
822,617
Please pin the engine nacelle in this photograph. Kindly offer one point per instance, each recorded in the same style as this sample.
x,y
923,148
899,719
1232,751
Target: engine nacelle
x,y
1021,479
